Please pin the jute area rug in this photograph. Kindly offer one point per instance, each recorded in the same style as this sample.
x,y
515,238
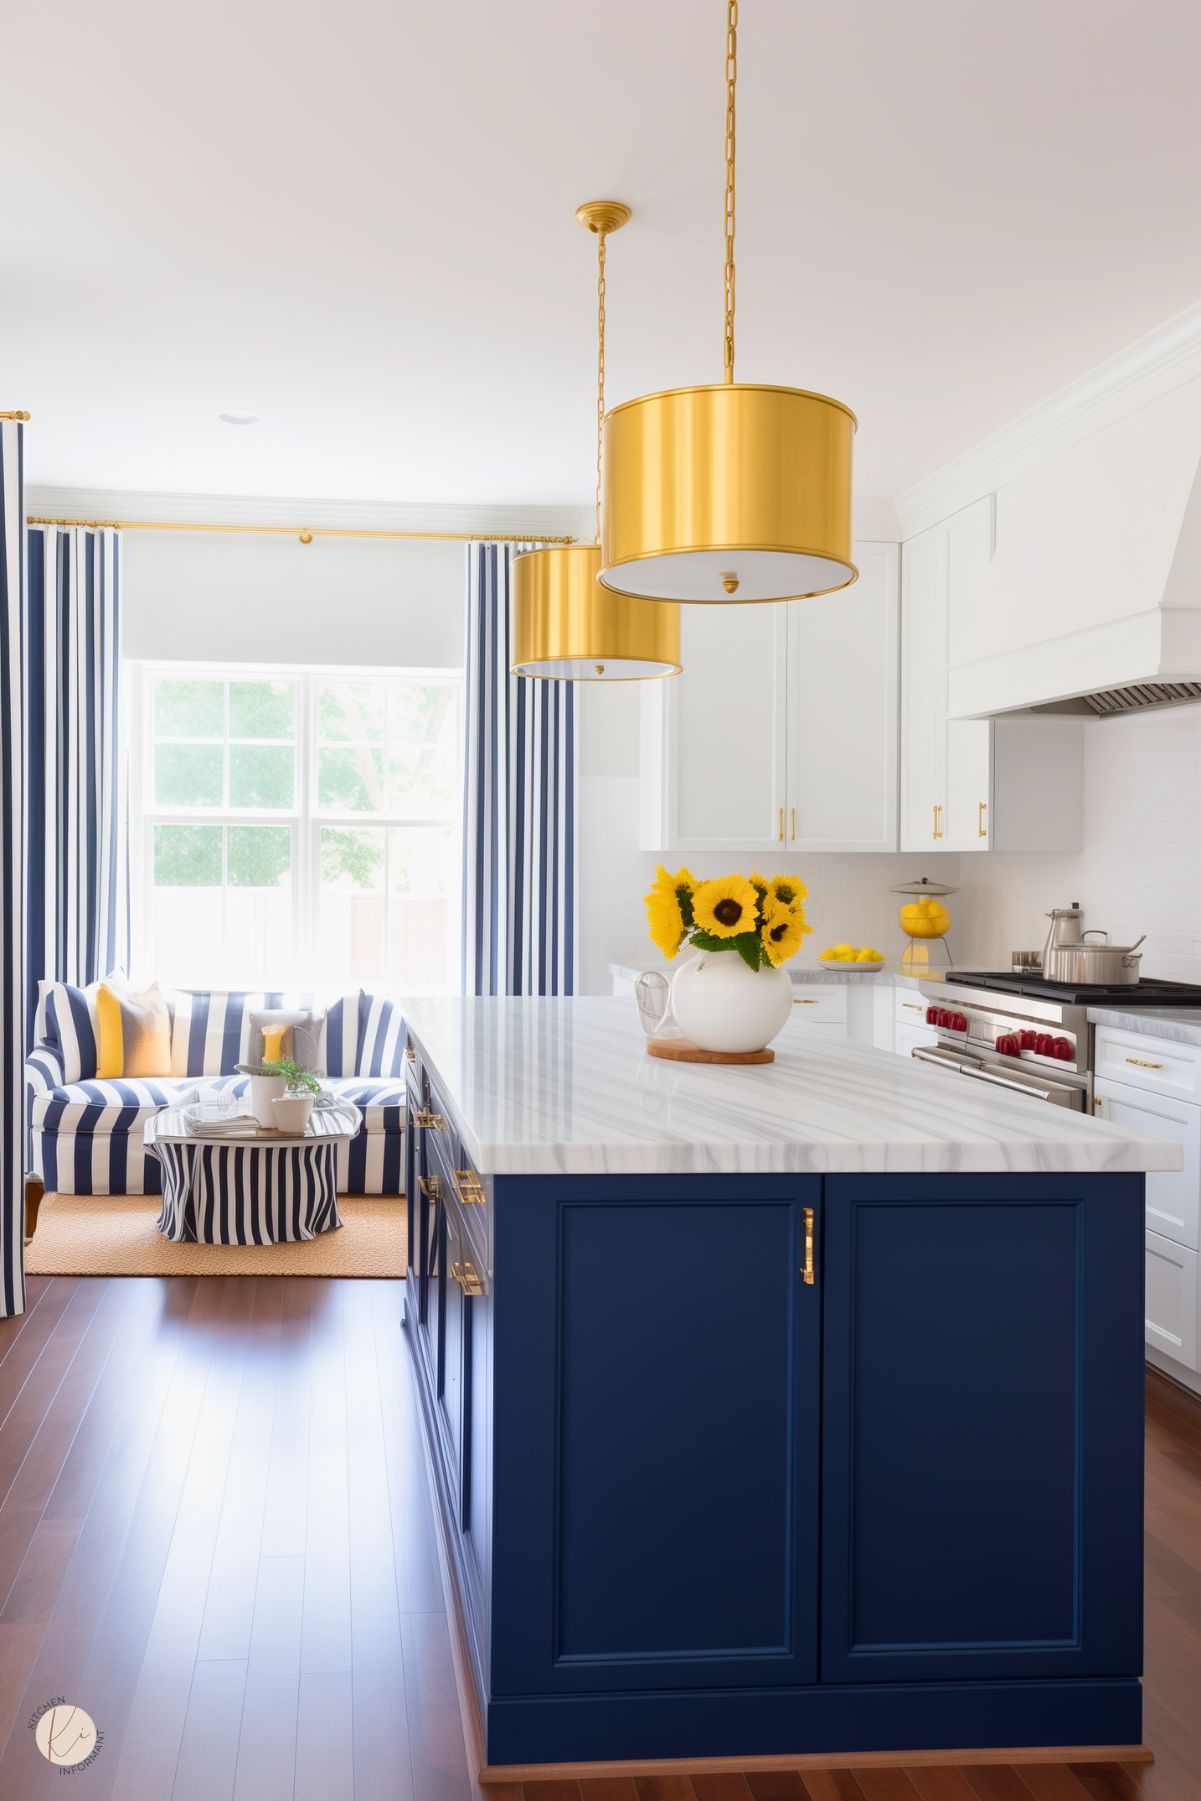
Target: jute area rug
x,y
115,1235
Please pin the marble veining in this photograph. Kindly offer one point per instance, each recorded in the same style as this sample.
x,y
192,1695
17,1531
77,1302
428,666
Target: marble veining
x,y
1180,1025
544,1087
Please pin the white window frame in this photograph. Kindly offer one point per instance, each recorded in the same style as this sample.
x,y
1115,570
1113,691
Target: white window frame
x,y
305,819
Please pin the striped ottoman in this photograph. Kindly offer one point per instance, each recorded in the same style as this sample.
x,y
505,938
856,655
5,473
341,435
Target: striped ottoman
x,y
259,1189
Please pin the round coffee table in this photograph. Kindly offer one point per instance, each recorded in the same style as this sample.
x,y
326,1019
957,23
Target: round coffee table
x,y
255,1187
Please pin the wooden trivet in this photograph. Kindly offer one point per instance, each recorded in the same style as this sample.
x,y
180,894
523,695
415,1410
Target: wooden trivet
x,y
678,1050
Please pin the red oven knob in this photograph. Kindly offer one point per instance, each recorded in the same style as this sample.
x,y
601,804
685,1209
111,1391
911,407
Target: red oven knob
x,y
1045,1045
1063,1050
932,1016
959,1021
1028,1039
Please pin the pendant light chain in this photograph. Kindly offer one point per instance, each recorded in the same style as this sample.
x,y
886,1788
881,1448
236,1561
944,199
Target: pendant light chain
x,y
731,146
600,369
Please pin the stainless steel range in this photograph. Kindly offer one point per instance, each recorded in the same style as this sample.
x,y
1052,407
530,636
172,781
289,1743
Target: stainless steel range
x,y
1024,1033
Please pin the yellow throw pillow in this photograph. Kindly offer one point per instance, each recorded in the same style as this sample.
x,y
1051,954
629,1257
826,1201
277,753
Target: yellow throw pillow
x,y
135,1033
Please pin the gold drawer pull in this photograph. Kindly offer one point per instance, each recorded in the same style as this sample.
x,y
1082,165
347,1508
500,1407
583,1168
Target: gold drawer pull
x,y
429,1122
428,1186
807,1275
805,1000
410,1053
469,1186
781,825
913,1006
1142,1063
981,828
792,834
937,832
467,1279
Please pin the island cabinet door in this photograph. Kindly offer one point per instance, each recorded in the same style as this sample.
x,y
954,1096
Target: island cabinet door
x,y
656,1416
982,1479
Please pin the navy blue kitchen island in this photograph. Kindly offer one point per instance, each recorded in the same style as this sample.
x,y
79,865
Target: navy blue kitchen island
x,y
749,1460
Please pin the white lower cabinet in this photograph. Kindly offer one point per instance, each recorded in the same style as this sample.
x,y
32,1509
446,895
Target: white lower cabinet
x,y
908,1038
1171,1304
1173,1216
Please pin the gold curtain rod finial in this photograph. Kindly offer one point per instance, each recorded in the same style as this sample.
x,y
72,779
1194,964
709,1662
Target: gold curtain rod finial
x,y
306,537
23,417
603,215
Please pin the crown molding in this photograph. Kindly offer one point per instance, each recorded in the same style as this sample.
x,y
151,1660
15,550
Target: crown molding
x,y
1166,358
347,515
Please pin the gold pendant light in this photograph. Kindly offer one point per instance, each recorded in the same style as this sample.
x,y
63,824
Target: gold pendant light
x,y
566,627
730,492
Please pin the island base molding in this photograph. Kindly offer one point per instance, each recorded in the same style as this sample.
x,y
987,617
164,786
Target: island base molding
x,y
616,1769
923,1723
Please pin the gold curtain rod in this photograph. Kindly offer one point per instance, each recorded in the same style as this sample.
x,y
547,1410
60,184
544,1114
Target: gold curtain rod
x,y
306,534
21,416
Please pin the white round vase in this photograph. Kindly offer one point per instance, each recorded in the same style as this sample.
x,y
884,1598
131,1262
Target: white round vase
x,y
721,1004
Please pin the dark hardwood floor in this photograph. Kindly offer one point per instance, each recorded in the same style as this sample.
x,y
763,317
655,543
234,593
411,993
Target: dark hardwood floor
x,y
216,1536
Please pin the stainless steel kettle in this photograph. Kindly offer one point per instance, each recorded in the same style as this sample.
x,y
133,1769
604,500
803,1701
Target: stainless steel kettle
x,y
1066,924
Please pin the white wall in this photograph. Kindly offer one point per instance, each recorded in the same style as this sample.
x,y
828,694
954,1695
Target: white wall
x,y
275,600
1140,869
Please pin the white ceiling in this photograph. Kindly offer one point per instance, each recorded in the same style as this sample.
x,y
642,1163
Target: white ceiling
x,y
357,221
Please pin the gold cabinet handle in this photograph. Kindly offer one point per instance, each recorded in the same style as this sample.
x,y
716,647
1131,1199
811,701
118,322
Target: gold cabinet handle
x,y
1142,1063
981,828
792,833
410,1053
428,1186
807,1273
913,1006
1098,1103
781,825
467,1278
429,1122
470,1188
937,832
805,1000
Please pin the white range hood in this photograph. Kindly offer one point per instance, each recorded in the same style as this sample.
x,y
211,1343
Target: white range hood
x,y
1094,589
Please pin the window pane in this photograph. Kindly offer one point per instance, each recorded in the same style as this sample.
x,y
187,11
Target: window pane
x,y
188,708
262,710
352,859
187,775
417,711
260,856
350,712
187,856
260,775
351,781
424,784
420,884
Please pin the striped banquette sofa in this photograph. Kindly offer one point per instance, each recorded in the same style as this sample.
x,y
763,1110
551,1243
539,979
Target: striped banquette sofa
x,y
85,1135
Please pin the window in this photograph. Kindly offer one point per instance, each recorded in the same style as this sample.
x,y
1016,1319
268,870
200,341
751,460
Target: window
x,y
298,828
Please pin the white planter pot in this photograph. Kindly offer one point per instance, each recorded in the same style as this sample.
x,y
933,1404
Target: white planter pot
x,y
720,1004
292,1113
264,1092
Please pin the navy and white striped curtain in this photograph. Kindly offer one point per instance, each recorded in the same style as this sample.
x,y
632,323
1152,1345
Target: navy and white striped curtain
x,y
77,869
519,816
12,890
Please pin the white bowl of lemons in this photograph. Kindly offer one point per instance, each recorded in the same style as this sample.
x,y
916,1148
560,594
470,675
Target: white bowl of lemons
x,y
858,957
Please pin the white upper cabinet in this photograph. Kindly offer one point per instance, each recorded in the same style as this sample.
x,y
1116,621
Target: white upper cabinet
x,y
973,784
781,732
842,710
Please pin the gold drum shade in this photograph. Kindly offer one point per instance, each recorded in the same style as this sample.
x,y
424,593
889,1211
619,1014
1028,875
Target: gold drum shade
x,y
731,492
568,628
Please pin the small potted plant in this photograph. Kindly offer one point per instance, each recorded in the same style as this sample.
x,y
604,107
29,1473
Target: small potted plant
x,y
293,1107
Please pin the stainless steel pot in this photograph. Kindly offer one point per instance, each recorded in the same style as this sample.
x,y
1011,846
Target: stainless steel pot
x,y
1104,965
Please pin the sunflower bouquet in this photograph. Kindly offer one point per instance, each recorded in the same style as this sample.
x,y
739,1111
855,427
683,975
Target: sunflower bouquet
x,y
760,917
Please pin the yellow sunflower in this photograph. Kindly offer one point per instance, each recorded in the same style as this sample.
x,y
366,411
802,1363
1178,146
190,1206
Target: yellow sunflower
x,y
787,888
783,931
726,906
666,919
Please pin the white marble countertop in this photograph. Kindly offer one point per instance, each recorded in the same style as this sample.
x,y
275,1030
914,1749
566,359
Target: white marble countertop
x,y
545,1087
1180,1025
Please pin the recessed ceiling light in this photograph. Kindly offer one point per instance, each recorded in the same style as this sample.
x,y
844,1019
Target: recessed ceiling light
x,y
239,418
